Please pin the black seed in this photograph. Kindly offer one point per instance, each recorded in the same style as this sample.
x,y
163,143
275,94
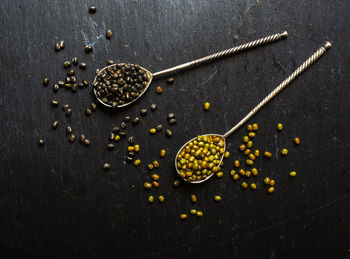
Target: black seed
x,y
75,88
93,106
60,83
88,112
86,142
81,85
46,81
54,103
172,122
68,86
92,9
110,62
143,112
82,65
81,138
170,116
75,60
71,138
128,159
69,130
68,112
62,44
55,124
57,47
110,146
85,83
70,72
135,121
106,166
88,49
97,71
111,136
127,118
153,107
41,142
159,127
67,64
170,80
109,34
73,79
65,107
131,140
169,133
123,125
131,154
116,130
55,88
122,134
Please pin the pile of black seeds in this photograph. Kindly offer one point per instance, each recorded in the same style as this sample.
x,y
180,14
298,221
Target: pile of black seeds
x,y
121,84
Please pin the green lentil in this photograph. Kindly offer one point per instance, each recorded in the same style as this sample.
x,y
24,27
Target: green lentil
x,y
284,152
292,174
217,198
279,127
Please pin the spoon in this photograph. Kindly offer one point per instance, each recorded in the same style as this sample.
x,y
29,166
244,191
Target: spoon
x,y
186,174
115,90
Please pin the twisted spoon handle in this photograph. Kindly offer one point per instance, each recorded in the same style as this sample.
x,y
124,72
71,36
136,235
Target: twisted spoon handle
x,y
223,53
279,88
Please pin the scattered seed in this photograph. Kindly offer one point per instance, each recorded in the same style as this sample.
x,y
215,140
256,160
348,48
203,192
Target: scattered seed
x,y
75,60
109,34
172,122
62,44
284,152
253,186
69,130
137,148
92,9
251,156
296,141
159,127
162,153
249,127
147,185
248,174
41,142
245,139
183,216
206,106
155,164
153,107
227,154
219,174
292,174
152,131
236,163
131,140
55,88
151,199
247,151
193,211
169,133
70,72
256,153
54,103
55,124
170,80
81,138
88,112
271,190
161,198
137,162
150,166
272,182
254,171
131,148
143,112
85,83
128,159
122,134
233,172
123,125
127,118
155,184
170,116
267,181
57,47
176,183
217,198
87,142
117,138
244,185
241,172
82,65
159,90
46,81
93,106
279,127
110,146
199,214
255,126
242,147
251,134
267,154
67,64
236,177
72,138
135,121
193,198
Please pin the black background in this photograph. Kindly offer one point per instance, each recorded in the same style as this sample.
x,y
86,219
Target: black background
x,y
57,202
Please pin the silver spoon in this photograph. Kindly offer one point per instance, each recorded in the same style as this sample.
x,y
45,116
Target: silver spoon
x,y
278,89
217,55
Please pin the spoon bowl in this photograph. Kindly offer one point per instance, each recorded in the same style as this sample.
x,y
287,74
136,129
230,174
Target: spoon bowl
x,y
119,91
278,89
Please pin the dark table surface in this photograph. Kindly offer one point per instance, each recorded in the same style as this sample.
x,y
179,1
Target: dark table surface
x,y
57,202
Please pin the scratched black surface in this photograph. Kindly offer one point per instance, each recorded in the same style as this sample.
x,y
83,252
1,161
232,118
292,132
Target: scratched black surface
x,y
57,202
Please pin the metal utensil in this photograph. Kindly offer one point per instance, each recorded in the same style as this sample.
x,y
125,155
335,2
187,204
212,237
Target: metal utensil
x,y
193,63
278,89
